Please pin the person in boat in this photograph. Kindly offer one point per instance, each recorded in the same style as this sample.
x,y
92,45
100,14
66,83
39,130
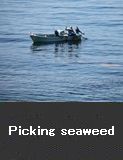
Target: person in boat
x,y
70,31
56,33
78,31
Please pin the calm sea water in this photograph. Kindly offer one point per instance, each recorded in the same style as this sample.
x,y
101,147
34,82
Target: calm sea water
x,y
89,71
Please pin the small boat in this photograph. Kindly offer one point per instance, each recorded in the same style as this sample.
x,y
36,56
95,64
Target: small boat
x,y
58,36
47,38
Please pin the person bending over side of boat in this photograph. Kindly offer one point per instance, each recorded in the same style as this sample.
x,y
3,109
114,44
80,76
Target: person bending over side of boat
x,y
71,31
78,31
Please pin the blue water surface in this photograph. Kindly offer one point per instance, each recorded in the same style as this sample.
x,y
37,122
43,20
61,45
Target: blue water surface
x,y
89,71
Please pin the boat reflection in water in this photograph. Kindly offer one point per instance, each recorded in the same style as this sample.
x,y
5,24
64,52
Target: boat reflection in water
x,y
69,49
59,49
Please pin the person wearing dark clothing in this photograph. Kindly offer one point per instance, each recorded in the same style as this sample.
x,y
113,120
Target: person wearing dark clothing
x,y
71,28
56,33
78,31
